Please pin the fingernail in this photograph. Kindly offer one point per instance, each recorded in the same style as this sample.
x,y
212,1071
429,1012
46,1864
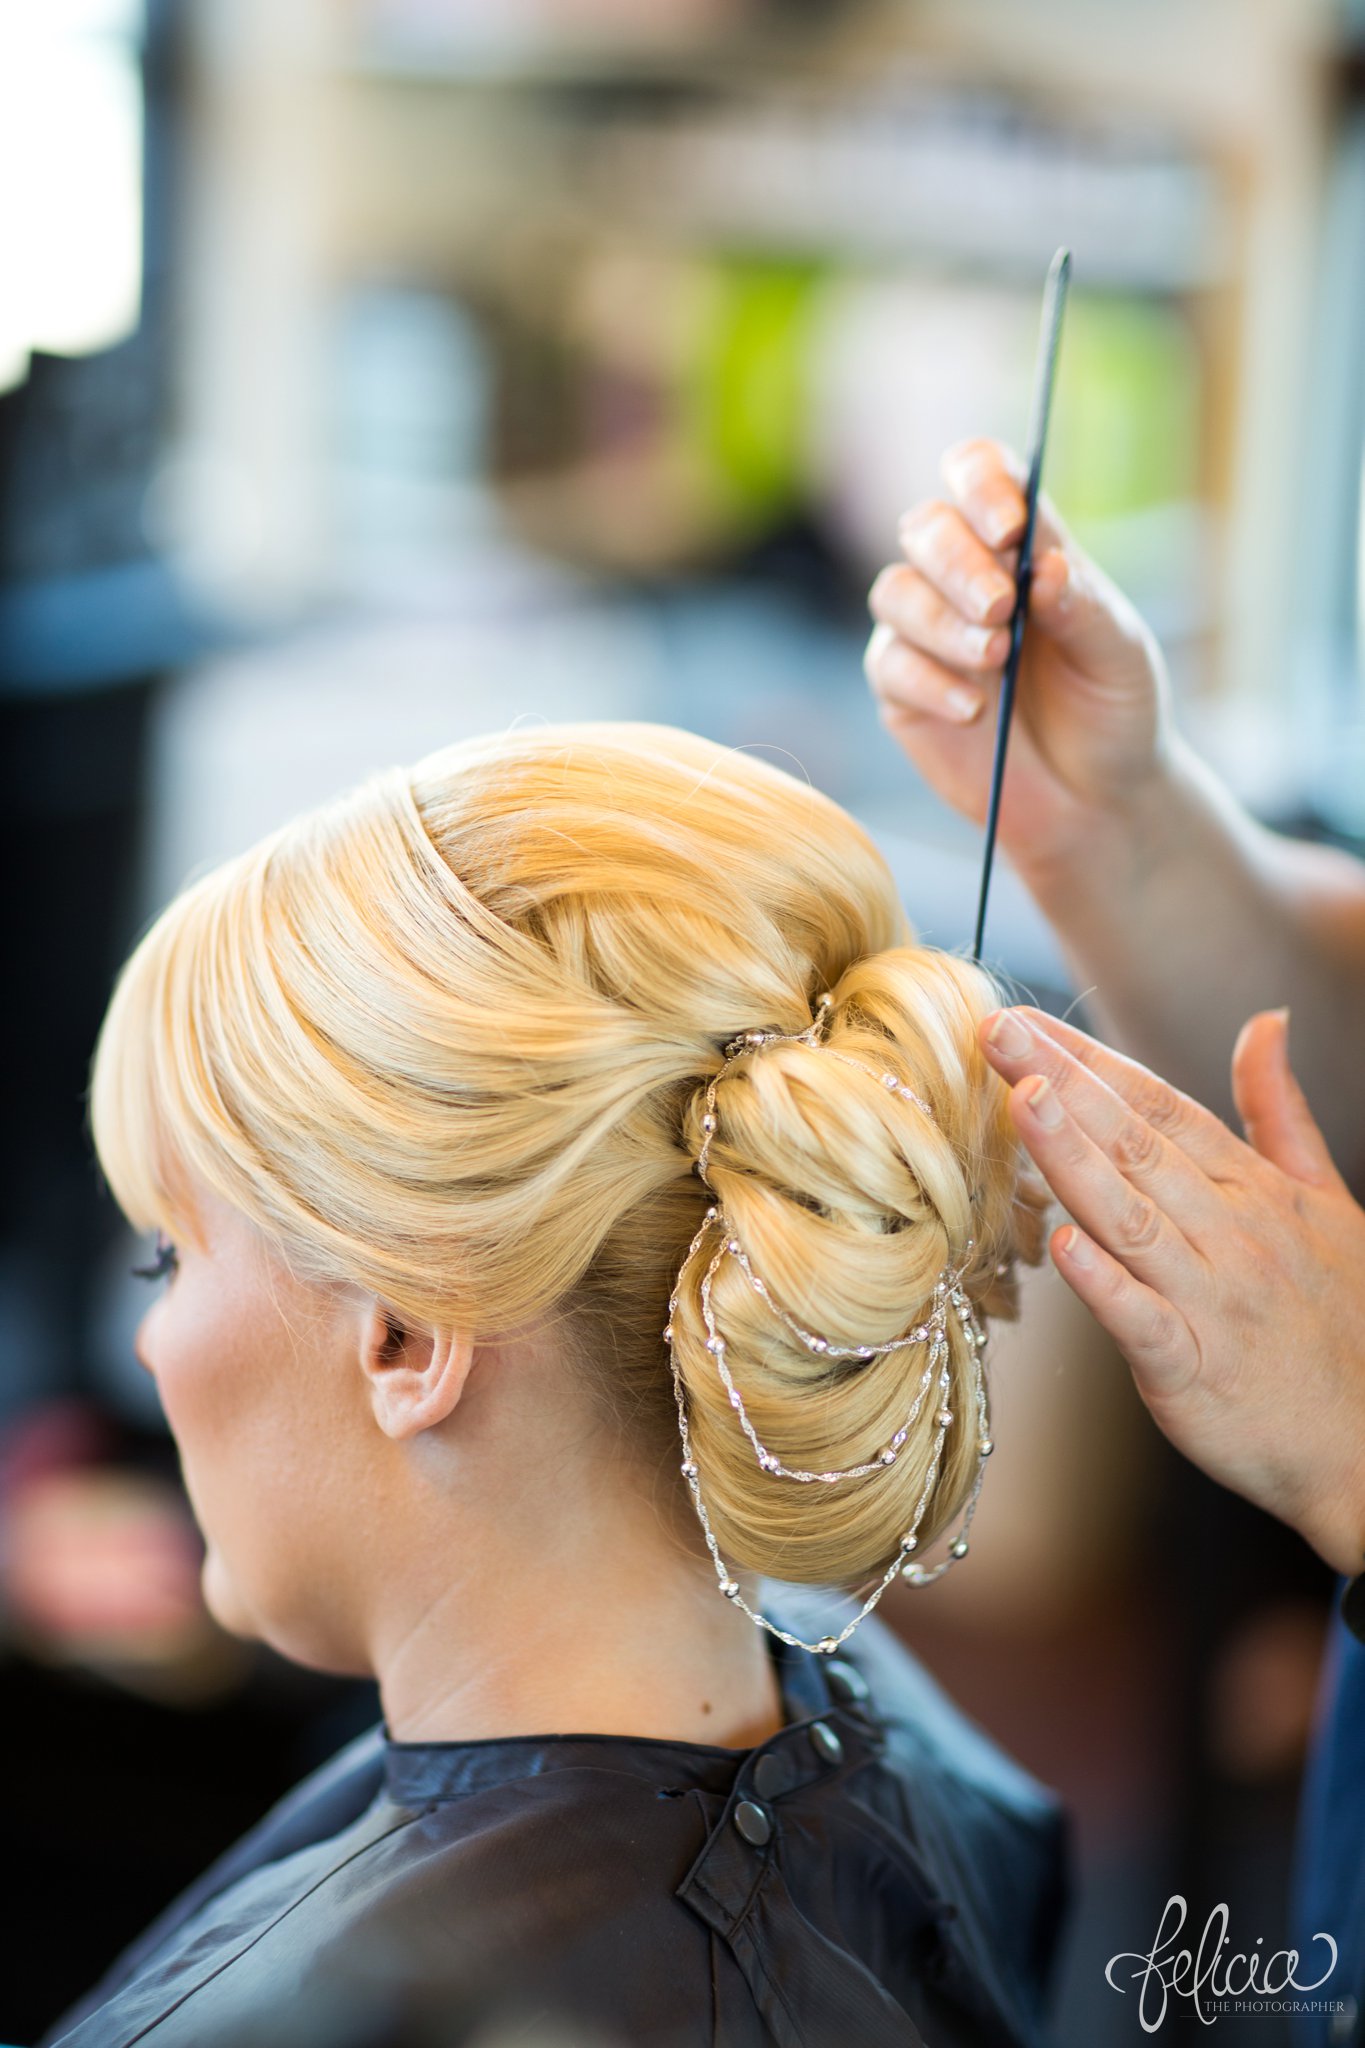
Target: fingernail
x,y
988,594
1075,1247
1010,1035
1042,1102
964,703
977,640
998,525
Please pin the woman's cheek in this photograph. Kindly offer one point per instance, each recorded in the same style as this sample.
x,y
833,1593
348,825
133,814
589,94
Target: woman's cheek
x,y
221,1594
179,1414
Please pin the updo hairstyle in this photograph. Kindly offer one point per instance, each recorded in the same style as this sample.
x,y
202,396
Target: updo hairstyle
x,y
448,1039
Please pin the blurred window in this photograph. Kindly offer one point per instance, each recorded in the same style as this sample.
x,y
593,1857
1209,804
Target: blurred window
x,y
71,147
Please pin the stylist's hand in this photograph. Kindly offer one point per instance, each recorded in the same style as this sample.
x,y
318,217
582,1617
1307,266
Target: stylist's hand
x,y
1091,721
1231,1275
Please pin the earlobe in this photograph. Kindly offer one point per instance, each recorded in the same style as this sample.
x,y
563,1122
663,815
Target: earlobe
x,y
415,1376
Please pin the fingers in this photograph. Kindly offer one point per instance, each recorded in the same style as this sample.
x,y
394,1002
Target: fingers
x,y
956,563
903,600
1185,1123
948,608
948,605
958,549
909,684
1136,1210
1152,1335
987,479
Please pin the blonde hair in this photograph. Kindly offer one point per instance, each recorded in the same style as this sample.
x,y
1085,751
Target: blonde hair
x,y
447,1039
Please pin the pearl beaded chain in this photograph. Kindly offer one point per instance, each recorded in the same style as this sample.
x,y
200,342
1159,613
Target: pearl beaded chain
x,y
949,1296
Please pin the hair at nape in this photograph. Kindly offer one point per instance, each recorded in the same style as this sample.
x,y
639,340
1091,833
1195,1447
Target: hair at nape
x,y
450,1038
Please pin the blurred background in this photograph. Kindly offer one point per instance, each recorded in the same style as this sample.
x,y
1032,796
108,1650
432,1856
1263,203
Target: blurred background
x,y
373,372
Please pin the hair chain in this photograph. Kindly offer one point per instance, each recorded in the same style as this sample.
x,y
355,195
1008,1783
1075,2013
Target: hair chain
x,y
950,1297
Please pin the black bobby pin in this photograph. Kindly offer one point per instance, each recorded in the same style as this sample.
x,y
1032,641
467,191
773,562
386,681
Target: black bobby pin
x,y
1054,300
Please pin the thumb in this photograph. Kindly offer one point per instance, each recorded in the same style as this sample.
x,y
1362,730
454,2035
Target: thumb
x,y
1075,604
1273,1108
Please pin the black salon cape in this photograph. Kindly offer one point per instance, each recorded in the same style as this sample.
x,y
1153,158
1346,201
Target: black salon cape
x,y
875,1875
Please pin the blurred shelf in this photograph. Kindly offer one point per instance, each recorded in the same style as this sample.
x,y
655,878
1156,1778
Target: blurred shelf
x,y
544,66
983,191
966,181
709,45
585,195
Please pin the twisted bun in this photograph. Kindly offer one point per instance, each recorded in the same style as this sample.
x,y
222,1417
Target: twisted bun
x,y
850,1201
446,1039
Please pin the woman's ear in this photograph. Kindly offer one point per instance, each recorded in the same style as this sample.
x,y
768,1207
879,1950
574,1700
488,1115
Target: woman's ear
x,y
415,1376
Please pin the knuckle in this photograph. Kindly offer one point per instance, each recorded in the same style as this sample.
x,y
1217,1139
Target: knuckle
x,y
923,529
1136,1147
1139,1227
969,455
1164,1108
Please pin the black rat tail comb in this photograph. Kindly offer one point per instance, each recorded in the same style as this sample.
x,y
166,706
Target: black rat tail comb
x,y
1054,301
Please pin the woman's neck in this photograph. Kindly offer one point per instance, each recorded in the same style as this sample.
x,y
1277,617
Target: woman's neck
x,y
619,1630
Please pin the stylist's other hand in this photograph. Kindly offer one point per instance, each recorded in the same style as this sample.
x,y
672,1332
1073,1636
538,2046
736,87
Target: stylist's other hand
x,y
1091,718
1230,1275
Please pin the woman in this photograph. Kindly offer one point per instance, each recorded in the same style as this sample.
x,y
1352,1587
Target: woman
x,y
577,1195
